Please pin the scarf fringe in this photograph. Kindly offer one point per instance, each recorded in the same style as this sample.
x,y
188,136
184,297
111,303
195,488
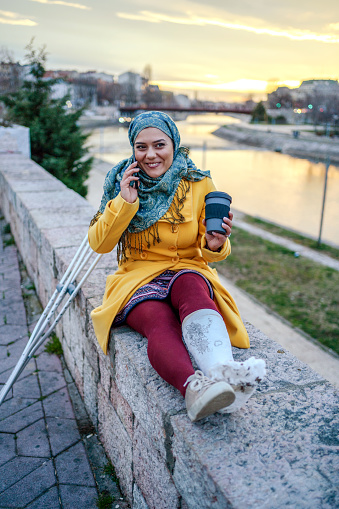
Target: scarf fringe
x,y
151,234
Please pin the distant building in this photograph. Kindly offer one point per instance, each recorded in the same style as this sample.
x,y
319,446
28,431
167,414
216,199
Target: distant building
x,y
131,86
183,100
319,87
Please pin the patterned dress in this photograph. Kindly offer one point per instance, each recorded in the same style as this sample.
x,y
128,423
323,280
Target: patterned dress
x,y
157,289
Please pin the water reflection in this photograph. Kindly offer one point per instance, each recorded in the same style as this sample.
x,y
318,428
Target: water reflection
x,y
277,187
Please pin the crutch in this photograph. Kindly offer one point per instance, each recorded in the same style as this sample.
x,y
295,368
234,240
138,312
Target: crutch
x,y
45,325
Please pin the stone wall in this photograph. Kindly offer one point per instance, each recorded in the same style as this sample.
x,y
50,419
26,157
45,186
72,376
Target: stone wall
x,y
280,451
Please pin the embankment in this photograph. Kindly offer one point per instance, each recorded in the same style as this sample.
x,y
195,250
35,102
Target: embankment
x,y
305,146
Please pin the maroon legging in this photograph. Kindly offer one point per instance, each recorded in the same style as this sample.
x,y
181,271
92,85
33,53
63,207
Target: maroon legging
x,y
159,322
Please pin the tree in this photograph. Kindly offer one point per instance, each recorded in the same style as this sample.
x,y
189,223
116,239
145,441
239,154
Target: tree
x,y
259,113
57,143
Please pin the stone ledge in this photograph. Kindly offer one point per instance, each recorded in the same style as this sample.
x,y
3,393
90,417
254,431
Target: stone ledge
x,y
281,450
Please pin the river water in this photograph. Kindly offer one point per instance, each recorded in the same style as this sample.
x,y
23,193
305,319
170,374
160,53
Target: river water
x,y
277,187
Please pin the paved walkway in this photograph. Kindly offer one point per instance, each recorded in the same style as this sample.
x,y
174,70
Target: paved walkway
x,y
44,458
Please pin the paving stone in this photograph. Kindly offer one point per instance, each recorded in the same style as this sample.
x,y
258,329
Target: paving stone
x,y
62,434
51,381
22,419
29,488
73,466
14,405
17,348
33,440
7,447
27,387
17,469
84,496
49,500
59,405
49,362
13,316
29,368
9,333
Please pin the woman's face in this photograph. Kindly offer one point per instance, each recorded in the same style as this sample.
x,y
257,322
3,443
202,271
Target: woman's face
x,y
153,150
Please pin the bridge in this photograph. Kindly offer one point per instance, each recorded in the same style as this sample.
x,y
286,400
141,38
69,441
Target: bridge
x,y
200,109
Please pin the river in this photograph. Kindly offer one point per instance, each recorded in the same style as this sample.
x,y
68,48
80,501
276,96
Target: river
x,y
276,187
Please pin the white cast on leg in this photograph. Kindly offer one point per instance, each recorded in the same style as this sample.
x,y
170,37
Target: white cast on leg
x,y
207,340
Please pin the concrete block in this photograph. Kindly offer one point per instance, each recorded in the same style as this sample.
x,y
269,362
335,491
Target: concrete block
x,y
117,442
105,372
284,371
15,139
91,380
138,500
281,450
122,408
151,473
151,399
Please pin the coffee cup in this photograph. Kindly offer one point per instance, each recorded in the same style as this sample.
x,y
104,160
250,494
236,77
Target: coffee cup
x,y
217,207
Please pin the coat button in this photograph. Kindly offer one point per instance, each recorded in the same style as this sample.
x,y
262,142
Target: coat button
x,y
143,256
172,248
174,228
175,259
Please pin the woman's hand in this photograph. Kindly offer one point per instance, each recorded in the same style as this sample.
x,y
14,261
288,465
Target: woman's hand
x,y
129,194
216,240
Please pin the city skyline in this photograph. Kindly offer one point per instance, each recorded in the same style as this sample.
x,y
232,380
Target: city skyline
x,y
219,51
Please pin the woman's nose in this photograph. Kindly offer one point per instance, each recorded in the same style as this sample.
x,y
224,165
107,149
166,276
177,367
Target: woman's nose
x,y
150,152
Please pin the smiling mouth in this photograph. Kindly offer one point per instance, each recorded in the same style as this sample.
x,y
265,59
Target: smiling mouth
x,y
152,165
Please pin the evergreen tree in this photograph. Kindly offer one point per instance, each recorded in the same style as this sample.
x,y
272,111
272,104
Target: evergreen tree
x,y
259,113
57,143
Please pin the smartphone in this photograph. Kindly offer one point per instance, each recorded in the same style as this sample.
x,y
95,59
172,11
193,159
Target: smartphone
x,y
134,183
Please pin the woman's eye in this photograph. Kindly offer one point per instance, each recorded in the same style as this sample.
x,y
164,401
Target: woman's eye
x,y
160,145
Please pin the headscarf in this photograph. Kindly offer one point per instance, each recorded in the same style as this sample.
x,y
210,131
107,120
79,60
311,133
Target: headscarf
x,y
160,197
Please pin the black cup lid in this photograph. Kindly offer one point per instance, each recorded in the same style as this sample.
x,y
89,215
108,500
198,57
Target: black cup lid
x,y
218,194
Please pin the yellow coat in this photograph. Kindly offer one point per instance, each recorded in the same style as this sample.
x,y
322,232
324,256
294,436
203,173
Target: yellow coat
x,y
181,247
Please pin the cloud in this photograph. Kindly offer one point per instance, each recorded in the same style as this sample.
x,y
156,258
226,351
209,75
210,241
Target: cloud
x,y
61,2
12,18
294,34
241,85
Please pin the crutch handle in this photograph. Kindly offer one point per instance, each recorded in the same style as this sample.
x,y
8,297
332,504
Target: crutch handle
x,y
70,288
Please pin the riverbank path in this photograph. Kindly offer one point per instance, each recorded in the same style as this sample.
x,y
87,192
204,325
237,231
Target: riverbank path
x,y
307,252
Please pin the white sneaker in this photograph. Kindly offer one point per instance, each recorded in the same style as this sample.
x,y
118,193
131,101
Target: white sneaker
x,y
205,397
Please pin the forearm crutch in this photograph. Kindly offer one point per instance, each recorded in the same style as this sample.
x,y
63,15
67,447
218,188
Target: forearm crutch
x,y
46,323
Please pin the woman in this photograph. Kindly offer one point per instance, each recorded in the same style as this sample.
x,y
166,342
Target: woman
x,y
153,208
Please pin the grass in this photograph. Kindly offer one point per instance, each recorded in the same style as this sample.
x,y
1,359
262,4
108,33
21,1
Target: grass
x,y
6,229
104,501
53,345
110,470
303,292
296,237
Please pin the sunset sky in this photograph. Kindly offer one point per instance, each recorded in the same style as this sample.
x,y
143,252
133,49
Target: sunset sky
x,y
219,48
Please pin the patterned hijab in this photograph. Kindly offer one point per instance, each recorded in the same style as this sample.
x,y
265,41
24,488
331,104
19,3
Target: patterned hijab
x,y
160,197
